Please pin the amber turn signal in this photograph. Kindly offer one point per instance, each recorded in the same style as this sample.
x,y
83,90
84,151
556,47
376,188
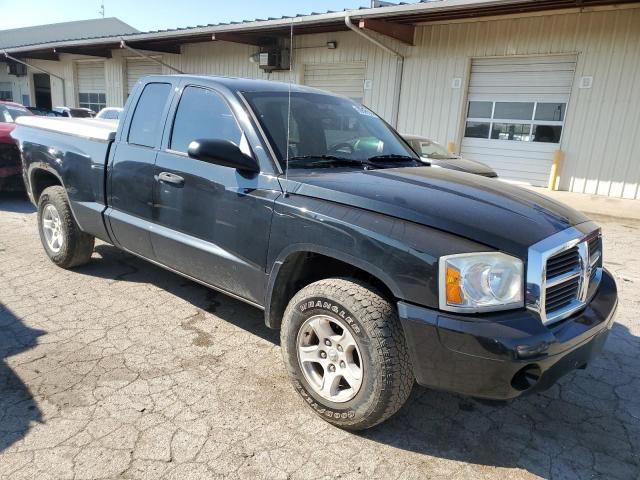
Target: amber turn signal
x,y
454,286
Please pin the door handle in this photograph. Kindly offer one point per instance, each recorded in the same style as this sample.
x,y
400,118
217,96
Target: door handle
x,y
172,178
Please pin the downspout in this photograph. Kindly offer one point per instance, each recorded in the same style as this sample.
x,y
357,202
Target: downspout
x,y
399,69
64,89
123,44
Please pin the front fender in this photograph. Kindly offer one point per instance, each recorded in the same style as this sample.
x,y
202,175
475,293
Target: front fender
x,y
403,255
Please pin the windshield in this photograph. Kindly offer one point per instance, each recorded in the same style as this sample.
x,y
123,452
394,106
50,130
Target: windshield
x,y
434,150
109,114
9,113
324,126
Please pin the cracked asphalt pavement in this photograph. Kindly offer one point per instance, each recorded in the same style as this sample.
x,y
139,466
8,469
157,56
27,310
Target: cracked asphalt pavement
x,y
120,369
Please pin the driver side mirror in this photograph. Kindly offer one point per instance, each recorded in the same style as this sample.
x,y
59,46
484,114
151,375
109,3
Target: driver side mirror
x,y
222,152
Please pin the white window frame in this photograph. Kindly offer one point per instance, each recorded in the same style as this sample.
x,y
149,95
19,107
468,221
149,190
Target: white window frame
x,y
512,121
90,105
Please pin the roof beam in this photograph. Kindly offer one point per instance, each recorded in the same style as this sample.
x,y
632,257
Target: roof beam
x,y
92,52
41,55
403,33
255,40
156,47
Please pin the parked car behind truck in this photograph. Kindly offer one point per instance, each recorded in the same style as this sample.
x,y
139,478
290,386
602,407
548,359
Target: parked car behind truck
x,y
437,156
377,269
10,169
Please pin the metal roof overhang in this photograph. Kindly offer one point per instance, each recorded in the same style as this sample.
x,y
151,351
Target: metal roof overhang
x,y
265,32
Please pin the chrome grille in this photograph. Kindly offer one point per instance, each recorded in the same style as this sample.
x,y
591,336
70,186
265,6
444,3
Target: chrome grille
x,y
595,253
564,271
561,295
563,263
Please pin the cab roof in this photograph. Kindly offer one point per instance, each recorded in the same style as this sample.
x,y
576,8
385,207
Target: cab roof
x,y
238,84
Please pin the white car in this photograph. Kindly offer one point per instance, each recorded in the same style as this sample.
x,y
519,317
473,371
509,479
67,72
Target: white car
x,y
110,113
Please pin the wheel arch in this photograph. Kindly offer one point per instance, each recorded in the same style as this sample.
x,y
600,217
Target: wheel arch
x,y
301,265
41,178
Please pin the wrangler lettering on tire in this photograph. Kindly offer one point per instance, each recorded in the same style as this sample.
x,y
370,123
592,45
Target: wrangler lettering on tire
x,y
345,352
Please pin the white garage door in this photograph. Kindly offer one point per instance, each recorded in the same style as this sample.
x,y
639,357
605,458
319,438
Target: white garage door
x,y
91,85
516,112
346,79
138,68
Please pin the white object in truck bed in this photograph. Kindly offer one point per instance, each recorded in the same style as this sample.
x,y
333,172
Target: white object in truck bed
x,y
103,130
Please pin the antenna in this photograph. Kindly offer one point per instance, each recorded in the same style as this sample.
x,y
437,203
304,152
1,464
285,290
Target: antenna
x,y
286,164
102,8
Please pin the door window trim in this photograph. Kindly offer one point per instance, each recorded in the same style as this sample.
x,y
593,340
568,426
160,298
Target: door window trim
x,y
166,145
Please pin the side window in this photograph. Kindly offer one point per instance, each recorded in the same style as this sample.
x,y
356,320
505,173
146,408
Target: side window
x,y
146,123
203,114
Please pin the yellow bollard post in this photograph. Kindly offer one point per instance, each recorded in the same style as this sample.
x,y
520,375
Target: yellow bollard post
x,y
554,175
451,147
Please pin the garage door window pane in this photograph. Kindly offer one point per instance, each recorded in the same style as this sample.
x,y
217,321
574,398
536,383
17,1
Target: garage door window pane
x,y
511,131
514,110
6,91
147,121
480,109
547,133
477,130
550,112
203,114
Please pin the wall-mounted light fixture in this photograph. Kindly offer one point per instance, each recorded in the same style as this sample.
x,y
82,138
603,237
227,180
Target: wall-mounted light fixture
x,y
332,45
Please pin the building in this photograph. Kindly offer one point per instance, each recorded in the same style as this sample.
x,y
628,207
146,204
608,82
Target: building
x,y
31,86
507,82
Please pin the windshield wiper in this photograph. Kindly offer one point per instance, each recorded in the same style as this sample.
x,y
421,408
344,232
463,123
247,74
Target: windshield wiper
x,y
392,156
307,161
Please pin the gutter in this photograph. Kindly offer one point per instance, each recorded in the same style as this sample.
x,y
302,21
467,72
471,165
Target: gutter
x,y
399,68
64,89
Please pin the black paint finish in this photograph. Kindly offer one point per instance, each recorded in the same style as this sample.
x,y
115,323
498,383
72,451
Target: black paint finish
x,y
234,230
481,356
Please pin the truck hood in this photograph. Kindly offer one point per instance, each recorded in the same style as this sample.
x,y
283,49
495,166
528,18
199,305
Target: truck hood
x,y
464,165
487,211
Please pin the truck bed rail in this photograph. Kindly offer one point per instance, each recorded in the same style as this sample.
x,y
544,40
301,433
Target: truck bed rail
x,y
102,130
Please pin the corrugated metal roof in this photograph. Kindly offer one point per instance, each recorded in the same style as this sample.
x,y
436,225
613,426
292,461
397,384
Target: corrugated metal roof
x,y
314,22
58,32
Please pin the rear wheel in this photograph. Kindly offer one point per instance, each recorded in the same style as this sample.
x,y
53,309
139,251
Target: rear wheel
x,y
346,353
66,245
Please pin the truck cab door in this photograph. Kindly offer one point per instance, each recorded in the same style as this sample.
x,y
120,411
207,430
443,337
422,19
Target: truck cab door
x,y
131,169
212,222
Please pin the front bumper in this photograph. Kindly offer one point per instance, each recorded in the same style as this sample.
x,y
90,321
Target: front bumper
x,y
502,355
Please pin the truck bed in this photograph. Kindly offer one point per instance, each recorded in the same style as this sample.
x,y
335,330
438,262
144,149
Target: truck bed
x,y
75,151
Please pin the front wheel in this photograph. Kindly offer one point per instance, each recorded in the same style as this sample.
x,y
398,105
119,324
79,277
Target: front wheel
x,y
66,245
346,353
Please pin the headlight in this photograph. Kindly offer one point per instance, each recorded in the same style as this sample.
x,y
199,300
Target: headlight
x,y
476,282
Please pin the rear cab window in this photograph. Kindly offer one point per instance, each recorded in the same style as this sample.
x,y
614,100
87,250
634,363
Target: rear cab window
x,y
147,122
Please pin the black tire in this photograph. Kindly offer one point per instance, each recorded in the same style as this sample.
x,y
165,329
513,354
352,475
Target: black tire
x,y
373,322
77,246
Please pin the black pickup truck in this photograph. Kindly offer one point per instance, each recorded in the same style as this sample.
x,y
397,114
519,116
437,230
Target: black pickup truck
x,y
378,270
